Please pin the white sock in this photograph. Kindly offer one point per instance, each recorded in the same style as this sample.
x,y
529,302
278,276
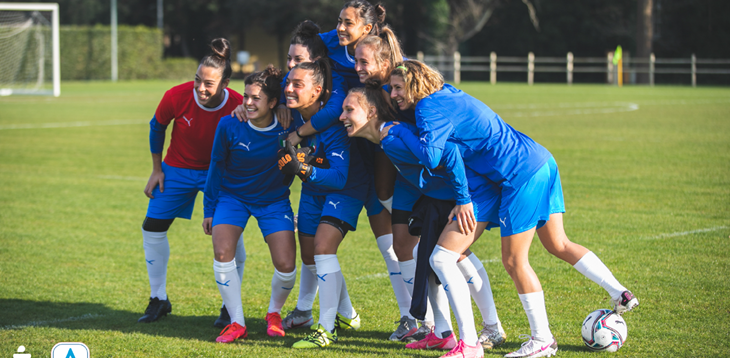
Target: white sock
x,y
478,281
444,265
385,244
593,268
307,287
330,282
408,274
387,204
534,305
281,286
156,254
240,257
440,305
345,306
229,286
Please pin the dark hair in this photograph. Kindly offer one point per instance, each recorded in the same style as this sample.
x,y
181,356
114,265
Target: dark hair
x,y
372,94
370,14
219,58
307,35
321,75
269,80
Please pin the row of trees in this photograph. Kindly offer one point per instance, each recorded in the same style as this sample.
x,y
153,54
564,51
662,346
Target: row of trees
x,y
669,28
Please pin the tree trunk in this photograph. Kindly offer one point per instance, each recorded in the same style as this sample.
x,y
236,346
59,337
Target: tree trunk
x,y
644,36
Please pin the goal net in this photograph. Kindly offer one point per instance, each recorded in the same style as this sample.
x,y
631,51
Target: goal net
x,y
29,51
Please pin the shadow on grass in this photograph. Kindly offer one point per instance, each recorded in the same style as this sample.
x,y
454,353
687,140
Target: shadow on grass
x,y
21,314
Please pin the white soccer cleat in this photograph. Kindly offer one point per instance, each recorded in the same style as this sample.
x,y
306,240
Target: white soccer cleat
x,y
492,335
626,302
534,348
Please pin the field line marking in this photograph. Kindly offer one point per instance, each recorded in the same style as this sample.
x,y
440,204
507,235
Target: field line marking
x,y
563,109
114,122
43,323
683,233
118,177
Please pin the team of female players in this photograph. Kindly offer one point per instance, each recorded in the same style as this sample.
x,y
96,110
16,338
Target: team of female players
x,y
350,111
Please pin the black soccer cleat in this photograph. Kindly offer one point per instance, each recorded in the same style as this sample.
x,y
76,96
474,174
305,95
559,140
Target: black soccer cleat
x,y
224,319
156,309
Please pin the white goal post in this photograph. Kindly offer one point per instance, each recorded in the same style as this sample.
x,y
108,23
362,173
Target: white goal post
x,y
24,49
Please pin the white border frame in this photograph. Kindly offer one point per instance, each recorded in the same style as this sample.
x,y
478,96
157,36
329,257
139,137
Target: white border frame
x,y
53,7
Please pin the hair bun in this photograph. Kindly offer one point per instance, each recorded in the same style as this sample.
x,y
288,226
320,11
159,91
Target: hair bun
x,y
307,28
272,71
380,12
373,83
221,48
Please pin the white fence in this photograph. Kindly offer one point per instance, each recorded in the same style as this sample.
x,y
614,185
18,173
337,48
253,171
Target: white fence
x,y
571,65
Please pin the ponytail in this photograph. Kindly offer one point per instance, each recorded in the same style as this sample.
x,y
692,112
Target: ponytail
x,y
385,47
219,58
269,80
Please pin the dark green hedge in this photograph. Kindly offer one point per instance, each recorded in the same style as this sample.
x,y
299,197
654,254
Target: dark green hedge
x,y
86,54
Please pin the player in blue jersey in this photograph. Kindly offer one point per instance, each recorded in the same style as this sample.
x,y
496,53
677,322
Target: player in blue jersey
x,y
531,196
194,109
330,203
365,113
375,58
244,181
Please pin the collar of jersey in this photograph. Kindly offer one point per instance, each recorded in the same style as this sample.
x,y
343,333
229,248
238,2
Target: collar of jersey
x,y
223,103
271,126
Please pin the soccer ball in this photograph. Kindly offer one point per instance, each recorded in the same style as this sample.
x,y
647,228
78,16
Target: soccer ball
x,y
604,330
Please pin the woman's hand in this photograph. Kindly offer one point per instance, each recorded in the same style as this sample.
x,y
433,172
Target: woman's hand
x,y
240,113
464,215
384,132
283,114
208,226
156,178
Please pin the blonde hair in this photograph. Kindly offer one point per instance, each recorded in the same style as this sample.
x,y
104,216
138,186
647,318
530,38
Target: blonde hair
x,y
419,79
385,47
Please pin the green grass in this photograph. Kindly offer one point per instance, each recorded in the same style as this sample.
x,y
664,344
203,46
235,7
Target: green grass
x,y
645,171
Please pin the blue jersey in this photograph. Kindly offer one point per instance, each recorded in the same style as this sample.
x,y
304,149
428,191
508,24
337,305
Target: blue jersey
x,y
244,164
437,183
346,172
330,113
488,145
343,62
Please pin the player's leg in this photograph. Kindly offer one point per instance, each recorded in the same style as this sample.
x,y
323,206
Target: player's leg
x,y
157,254
442,335
277,226
224,318
553,237
521,210
282,247
310,209
477,280
177,200
443,260
225,240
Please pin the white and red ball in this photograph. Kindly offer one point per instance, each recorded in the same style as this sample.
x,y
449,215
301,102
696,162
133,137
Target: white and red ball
x,y
604,330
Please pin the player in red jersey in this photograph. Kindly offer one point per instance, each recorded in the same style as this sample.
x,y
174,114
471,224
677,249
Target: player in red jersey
x,y
196,107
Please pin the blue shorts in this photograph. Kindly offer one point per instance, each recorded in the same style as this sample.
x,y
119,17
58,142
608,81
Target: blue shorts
x,y
272,218
372,204
313,208
405,194
531,204
181,188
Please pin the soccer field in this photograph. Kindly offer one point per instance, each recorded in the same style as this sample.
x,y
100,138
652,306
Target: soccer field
x,y
645,172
